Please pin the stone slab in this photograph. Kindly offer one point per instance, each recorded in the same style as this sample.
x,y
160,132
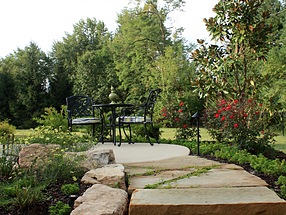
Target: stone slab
x,y
207,201
220,178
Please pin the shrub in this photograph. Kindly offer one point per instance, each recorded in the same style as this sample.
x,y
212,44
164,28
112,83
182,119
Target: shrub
x,y
7,132
59,209
69,189
69,141
240,122
179,116
138,131
54,119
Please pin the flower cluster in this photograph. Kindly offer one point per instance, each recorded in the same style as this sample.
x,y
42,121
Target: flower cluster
x,y
179,116
238,121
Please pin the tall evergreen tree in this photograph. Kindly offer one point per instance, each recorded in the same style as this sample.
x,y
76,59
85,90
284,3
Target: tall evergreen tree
x,y
31,76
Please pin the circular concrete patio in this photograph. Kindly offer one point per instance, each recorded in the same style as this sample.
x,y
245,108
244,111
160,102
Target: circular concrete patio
x,y
144,152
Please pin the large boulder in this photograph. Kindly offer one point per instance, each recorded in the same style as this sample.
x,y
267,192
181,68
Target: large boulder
x,y
101,200
112,175
36,155
93,158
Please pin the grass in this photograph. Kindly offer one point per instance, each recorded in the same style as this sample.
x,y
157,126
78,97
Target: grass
x,y
169,134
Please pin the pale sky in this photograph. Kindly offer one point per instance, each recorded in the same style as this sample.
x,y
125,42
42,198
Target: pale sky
x,y
46,21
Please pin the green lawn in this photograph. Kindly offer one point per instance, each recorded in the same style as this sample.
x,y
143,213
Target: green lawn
x,y
169,133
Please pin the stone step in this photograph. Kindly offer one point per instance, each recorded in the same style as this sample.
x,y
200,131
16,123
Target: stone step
x,y
207,201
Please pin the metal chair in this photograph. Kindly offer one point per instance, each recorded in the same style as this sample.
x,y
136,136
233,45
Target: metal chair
x,y
82,112
137,115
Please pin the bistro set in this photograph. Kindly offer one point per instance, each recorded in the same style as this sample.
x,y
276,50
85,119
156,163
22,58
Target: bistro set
x,y
82,111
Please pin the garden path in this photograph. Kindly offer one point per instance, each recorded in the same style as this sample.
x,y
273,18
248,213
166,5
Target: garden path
x,y
184,184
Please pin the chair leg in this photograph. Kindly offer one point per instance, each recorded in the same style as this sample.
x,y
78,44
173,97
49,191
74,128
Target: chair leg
x,y
120,135
147,134
130,134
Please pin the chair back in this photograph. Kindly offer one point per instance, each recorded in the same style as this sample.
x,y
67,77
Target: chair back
x,y
151,101
79,106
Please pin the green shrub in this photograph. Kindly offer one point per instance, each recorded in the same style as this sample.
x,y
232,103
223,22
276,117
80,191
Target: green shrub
x,y
7,132
138,131
69,141
60,169
59,209
54,119
70,189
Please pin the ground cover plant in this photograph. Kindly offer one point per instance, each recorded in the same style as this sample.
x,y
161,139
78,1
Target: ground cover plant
x,y
270,167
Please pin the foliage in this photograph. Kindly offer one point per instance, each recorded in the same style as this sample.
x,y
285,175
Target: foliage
x,y
7,132
59,209
86,60
7,164
23,192
232,153
143,38
25,187
69,141
31,75
231,67
7,89
54,119
138,131
240,122
178,112
69,189
60,168
275,73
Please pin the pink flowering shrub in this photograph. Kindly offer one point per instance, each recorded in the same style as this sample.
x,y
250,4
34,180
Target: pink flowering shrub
x,y
242,122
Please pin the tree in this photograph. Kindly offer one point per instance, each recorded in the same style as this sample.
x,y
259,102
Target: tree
x,y
143,37
7,88
85,61
274,93
231,67
31,81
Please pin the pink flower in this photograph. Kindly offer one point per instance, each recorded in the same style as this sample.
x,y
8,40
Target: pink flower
x,y
235,101
164,114
181,104
185,126
231,116
180,110
217,115
235,125
223,118
176,119
223,101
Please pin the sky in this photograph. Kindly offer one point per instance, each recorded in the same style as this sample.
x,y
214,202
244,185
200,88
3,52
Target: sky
x,y
46,21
